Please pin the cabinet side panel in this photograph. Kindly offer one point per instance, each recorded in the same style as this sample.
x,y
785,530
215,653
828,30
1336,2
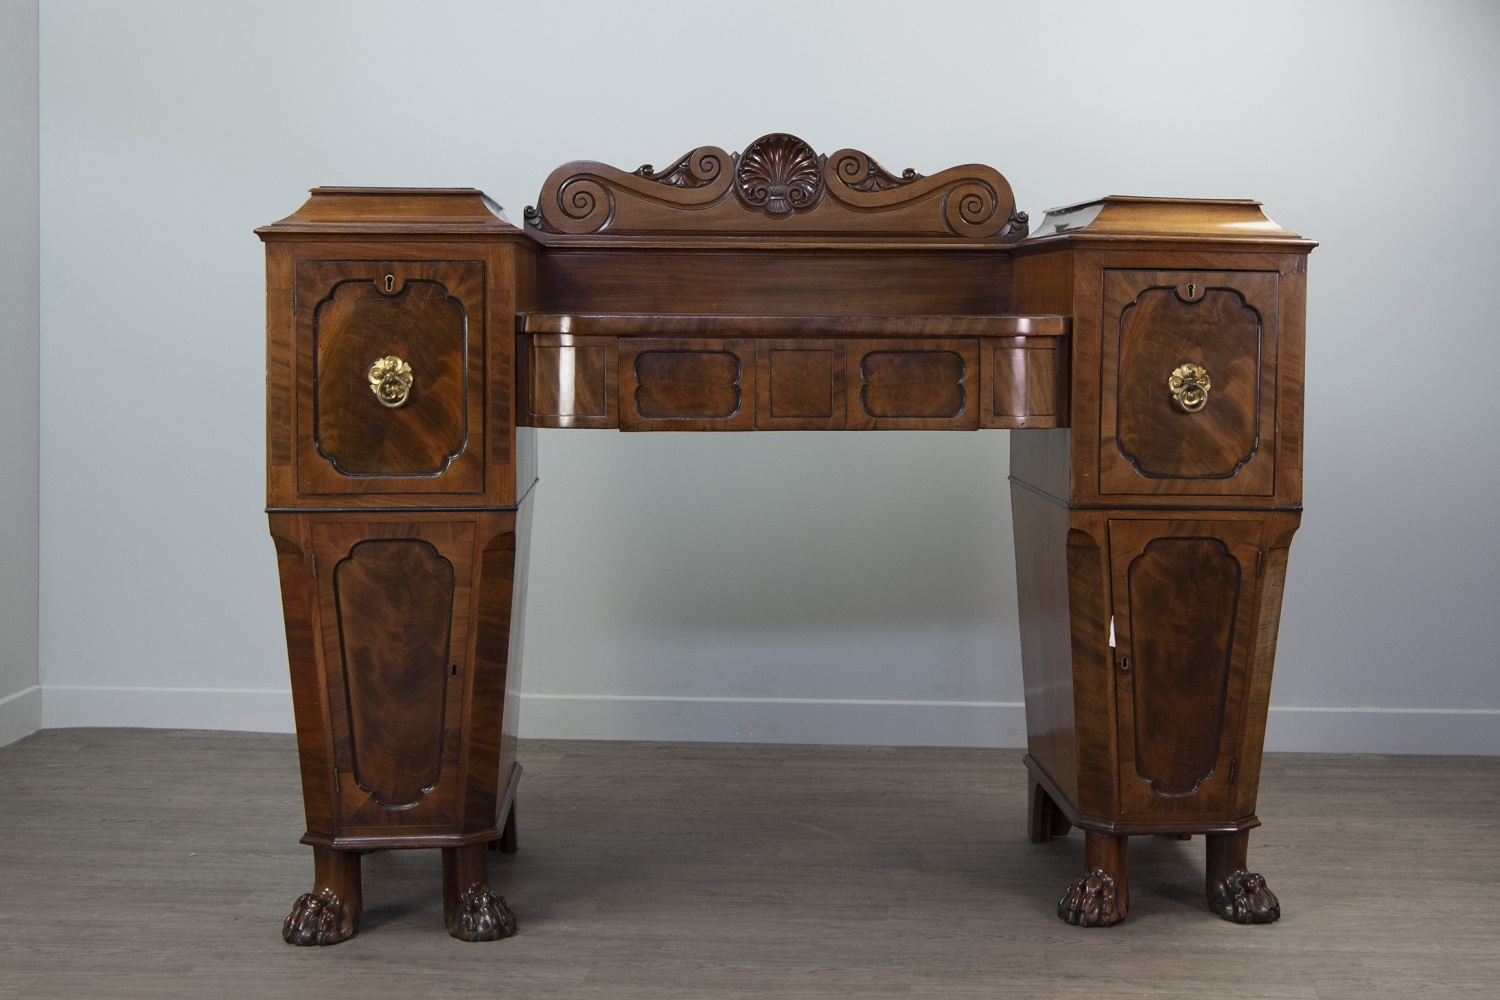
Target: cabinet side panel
x,y
510,725
281,431
1093,669
314,745
490,754
1279,529
1041,530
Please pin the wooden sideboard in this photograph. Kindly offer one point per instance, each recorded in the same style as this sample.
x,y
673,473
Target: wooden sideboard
x,y
1151,349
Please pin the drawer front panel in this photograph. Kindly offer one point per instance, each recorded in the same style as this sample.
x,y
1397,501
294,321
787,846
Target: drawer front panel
x,y
1027,381
425,436
691,385
801,385
818,382
1188,401
913,385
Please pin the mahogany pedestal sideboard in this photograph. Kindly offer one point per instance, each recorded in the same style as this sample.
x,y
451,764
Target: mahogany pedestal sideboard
x,y
1151,349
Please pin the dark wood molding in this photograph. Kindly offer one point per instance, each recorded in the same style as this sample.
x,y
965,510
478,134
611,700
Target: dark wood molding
x,y
778,188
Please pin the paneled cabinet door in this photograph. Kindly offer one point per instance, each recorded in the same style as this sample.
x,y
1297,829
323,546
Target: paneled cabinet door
x,y
390,376
1188,401
1184,599
394,603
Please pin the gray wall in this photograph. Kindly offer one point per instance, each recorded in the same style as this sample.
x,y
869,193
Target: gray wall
x,y
806,587
20,697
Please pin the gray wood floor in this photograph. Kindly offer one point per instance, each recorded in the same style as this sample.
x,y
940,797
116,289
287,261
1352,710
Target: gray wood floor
x,y
140,863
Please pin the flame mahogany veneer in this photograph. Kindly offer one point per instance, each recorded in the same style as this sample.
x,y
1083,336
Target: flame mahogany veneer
x,y
1151,349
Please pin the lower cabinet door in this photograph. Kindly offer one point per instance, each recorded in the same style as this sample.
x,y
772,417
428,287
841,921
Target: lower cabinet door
x,y
394,609
1184,596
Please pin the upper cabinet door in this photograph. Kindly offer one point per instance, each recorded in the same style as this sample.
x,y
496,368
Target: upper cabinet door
x,y
390,376
1188,401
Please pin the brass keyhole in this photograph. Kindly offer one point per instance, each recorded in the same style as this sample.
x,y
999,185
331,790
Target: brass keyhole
x,y
1191,286
390,283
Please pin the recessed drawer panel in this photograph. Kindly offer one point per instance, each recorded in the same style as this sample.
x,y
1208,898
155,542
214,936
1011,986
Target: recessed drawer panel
x,y
1188,401
690,385
390,376
801,385
913,385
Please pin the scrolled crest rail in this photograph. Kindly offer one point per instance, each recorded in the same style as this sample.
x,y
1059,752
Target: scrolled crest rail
x,y
780,186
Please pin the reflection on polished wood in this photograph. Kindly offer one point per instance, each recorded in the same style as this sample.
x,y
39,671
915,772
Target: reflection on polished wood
x,y
780,289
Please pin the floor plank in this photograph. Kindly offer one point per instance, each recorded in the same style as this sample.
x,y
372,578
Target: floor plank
x,y
145,863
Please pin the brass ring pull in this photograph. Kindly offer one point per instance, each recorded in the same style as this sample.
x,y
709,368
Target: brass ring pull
x,y
390,380
1189,385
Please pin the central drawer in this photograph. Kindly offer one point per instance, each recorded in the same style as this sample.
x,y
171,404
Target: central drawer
x,y
825,379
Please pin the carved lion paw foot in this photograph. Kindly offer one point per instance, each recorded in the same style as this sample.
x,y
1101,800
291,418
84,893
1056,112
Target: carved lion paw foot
x,y
481,915
1092,901
318,918
1244,898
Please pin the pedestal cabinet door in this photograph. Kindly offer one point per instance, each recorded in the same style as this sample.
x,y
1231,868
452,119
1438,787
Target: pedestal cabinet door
x,y
394,603
1184,595
1188,401
390,376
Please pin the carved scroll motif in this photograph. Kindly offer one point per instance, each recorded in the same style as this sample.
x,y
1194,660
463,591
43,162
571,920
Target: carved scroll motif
x,y
778,186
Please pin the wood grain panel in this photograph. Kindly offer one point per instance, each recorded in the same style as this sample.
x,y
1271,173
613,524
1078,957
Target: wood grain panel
x,y
1225,322
432,318
687,384
488,680
395,607
1182,594
1095,700
800,385
848,283
1025,376
394,603
913,385
309,692
1184,608
574,381
1041,529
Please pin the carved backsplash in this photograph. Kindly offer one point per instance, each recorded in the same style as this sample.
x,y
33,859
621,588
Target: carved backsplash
x,y
779,185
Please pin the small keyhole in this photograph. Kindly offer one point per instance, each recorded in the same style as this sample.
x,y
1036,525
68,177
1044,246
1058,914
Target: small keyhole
x,y
455,670
1191,286
390,284
1124,664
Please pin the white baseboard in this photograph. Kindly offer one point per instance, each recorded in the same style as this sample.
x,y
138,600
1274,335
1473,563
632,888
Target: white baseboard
x,y
853,722
1463,731
849,722
243,710
20,714
969,724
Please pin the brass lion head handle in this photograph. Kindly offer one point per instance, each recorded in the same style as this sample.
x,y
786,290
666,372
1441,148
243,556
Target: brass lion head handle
x,y
390,380
1189,385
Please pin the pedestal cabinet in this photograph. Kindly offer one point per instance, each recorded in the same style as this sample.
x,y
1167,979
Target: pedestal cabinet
x,y
396,492
1151,537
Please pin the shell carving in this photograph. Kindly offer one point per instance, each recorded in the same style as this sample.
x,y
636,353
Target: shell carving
x,y
779,173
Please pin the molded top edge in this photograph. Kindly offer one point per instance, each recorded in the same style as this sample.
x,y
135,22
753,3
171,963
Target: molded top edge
x,y
394,208
1131,215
